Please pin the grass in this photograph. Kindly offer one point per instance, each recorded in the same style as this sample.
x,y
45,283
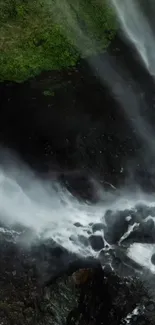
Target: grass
x,y
41,35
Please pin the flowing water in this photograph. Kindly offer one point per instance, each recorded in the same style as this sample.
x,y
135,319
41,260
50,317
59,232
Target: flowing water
x,y
138,29
122,220
33,209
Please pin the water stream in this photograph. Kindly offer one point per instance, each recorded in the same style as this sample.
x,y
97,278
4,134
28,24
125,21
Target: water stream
x,y
50,211
138,29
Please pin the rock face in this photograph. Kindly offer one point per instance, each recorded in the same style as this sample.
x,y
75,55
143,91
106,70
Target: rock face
x,y
96,242
24,298
46,285
105,299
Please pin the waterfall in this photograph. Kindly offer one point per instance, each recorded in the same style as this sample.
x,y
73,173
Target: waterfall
x,y
136,26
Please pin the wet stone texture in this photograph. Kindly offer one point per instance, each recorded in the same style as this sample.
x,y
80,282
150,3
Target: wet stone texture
x,y
36,287
23,296
128,226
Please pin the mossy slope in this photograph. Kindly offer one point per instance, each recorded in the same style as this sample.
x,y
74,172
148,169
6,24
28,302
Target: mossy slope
x,y
42,35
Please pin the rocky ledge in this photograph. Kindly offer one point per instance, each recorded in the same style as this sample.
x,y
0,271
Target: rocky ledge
x,y
44,284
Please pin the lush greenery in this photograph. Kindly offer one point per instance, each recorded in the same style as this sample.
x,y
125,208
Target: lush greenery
x,y
39,35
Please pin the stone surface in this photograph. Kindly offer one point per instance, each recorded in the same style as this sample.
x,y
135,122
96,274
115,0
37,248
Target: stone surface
x,y
153,259
103,301
97,227
96,242
47,285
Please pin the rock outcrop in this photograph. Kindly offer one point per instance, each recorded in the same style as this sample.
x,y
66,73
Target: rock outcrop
x,y
48,286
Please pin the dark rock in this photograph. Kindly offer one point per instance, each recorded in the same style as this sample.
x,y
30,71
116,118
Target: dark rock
x,y
151,211
142,211
105,299
127,264
79,184
148,225
83,240
117,227
118,260
96,242
153,259
77,224
108,217
142,233
78,292
151,306
97,227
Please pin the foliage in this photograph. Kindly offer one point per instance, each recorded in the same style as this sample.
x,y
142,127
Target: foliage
x,y
39,35
48,92
90,24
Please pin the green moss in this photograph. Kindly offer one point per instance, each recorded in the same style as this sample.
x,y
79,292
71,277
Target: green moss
x,y
48,92
39,35
90,24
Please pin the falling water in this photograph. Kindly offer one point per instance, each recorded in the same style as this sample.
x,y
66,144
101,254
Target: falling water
x,y
137,28
32,210
50,210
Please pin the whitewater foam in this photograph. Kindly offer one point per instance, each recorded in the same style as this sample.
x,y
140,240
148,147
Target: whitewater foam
x,y
46,208
51,211
141,254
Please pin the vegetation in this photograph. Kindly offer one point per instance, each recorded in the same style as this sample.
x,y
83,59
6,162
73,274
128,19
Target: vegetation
x,y
48,92
39,35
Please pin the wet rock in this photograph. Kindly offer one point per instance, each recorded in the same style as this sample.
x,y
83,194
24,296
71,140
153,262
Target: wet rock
x,y
141,212
151,211
142,233
128,266
76,293
96,242
122,298
117,227
79,184
118,260
109,217
77,224
83,240
151,306
82,276
91,224
106,258
118,223
128,226
153,259
148,225
97,227
121,269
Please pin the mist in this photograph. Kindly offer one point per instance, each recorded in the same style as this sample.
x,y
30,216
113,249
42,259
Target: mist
x,y
126,92
45,207
137,29
34,209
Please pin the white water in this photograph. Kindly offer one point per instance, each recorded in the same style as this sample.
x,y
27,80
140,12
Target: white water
x,y
127,93
50,211
137,28
141,253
